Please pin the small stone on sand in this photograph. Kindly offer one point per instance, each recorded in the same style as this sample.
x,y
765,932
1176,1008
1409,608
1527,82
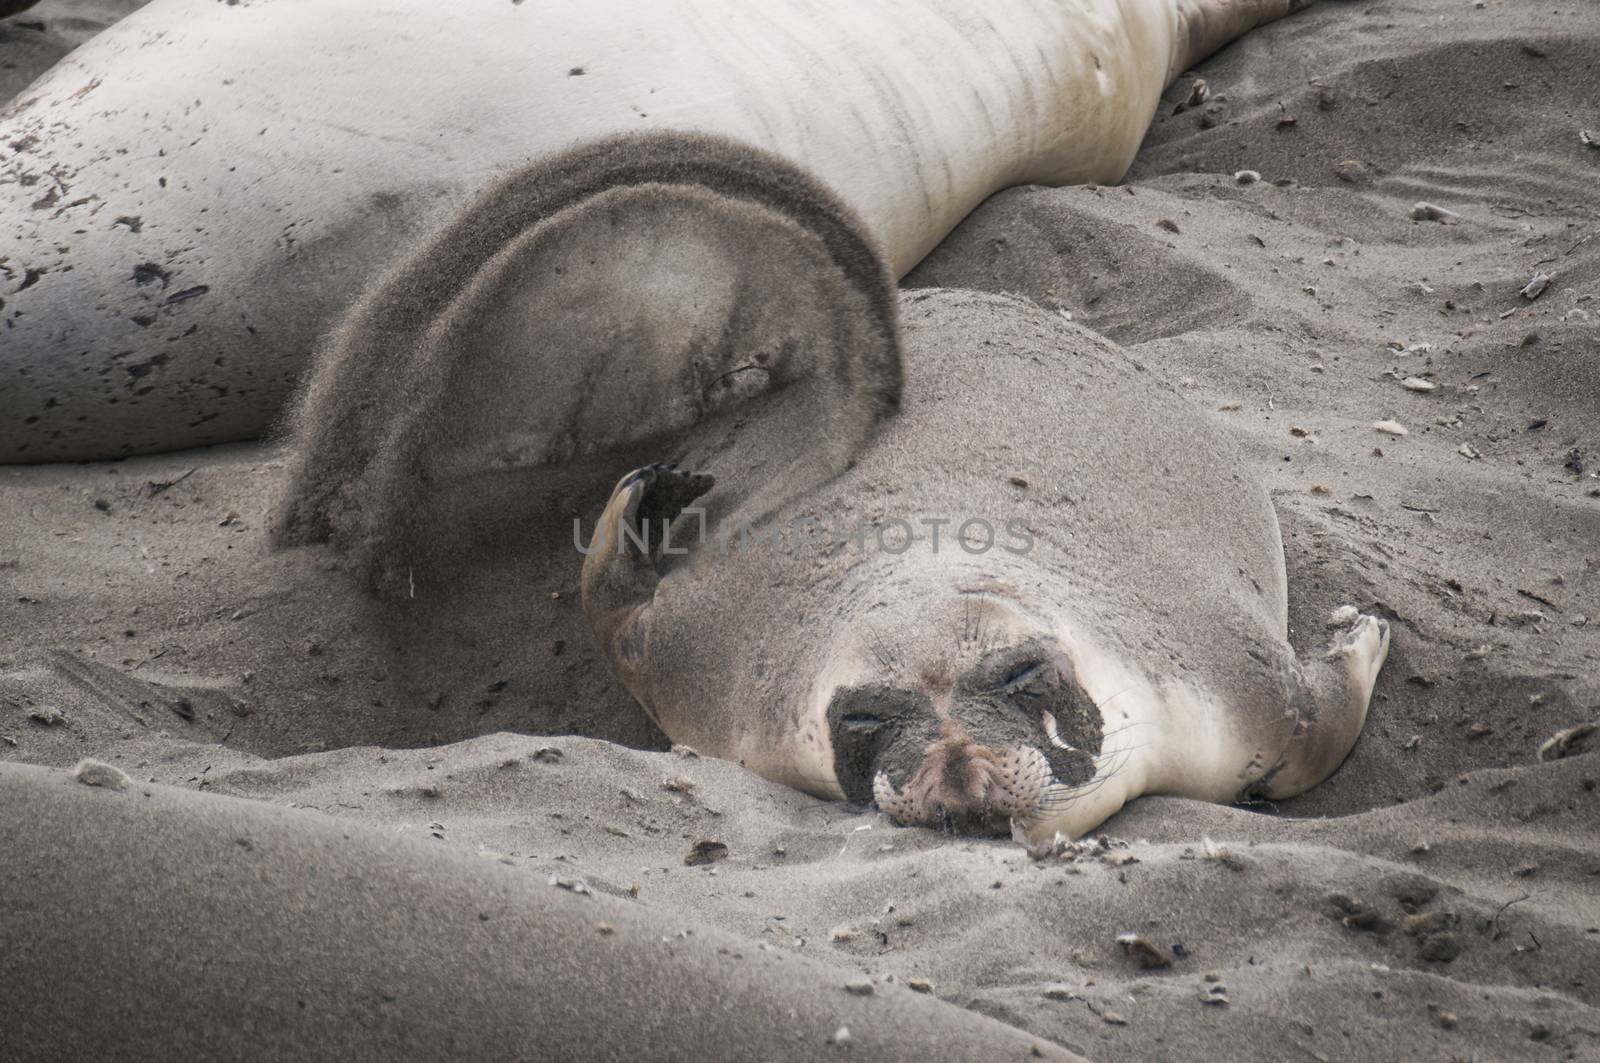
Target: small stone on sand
x,y
1391,428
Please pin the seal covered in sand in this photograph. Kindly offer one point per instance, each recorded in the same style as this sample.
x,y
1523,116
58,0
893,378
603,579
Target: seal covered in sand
x,y
1046,587
196,195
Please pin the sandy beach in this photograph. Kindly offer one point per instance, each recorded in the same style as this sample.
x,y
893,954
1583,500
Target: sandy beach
x,y
1431,438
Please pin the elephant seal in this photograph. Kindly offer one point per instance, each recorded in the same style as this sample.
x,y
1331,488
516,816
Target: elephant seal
x,y
1103,616
196,195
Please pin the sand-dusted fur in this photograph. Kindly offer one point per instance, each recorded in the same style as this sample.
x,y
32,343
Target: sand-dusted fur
x,y
621,291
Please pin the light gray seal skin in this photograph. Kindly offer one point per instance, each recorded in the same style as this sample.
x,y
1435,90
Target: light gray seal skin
x,y
1124,631
190,200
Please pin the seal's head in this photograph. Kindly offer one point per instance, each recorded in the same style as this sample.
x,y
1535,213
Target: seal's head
x,y
976,722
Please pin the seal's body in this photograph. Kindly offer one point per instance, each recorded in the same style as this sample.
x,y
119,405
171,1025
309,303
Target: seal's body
x,y
1094,606
196,195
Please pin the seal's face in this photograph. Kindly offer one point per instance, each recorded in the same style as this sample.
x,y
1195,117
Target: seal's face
x,y
993,733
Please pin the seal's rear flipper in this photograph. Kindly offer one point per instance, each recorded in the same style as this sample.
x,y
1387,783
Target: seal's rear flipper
x,y
1336,688
621,293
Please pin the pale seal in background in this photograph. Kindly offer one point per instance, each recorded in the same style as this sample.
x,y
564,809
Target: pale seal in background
x,y
1104,616
193,197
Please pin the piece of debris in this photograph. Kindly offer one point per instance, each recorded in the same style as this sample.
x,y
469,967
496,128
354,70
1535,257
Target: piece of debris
x,y
686,752
156,487
1467,450
1247,177
1391,428
1432,212
1220,854
1416,383
859,987
1583,738
841,1036
91,772
1588,139
1146,954
1198,92
547,755
705,852
678,784
571,885
1168,224
919,985
1535,288
48,715
1479,730
1215,995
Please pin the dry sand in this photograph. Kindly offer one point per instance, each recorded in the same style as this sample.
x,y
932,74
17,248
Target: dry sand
x,y
1438,898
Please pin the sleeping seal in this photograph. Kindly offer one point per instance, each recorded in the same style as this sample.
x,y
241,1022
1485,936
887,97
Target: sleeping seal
x,y
1044,588
193,197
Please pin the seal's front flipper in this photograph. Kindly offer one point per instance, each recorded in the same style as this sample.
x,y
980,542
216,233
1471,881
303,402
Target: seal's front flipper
x,y
619,568
1331,705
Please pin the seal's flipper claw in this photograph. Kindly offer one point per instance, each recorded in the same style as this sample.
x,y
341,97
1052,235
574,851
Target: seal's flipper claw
x,y
669,491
